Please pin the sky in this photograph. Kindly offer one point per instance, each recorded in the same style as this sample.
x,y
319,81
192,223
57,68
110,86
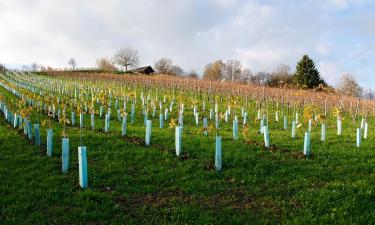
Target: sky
x,y
262,34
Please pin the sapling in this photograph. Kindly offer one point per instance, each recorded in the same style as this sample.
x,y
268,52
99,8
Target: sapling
x,y
266,137
235,129
359,137
323,133
285,122
205,126
65,141
166,114
92,115
337,113
307,145
82,163
293,129
48,124
365,135
148,132
277,116
218,154
80,112
124,122
178,136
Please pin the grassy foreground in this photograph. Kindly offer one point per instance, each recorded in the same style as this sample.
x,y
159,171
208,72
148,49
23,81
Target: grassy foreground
x,y
130,183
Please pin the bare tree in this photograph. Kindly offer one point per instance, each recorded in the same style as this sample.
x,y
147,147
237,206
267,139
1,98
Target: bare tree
x,y
126,57
233,70
349,86
369,94
192,74
105,65
72,62
163,65
176,70
282,70
214,71
34,66
281,76
25,68
246,76
261,78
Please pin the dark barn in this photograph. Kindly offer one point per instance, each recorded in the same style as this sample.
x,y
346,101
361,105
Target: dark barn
x,y
143,70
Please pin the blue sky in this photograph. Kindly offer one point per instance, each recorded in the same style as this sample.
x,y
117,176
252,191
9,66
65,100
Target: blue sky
x,y
337,34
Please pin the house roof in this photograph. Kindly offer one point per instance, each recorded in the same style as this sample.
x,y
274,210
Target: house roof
x,y
144,69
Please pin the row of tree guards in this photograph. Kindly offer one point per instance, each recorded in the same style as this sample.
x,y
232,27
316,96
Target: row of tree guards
x,y
56,97
34,135
327,100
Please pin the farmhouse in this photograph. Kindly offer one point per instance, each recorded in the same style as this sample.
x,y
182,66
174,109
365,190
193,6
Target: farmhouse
x,y
144,70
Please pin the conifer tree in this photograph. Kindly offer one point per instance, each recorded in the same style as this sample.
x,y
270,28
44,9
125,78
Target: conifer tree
x,y
306,75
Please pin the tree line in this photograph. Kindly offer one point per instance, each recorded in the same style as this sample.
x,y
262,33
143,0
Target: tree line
x,y
306,75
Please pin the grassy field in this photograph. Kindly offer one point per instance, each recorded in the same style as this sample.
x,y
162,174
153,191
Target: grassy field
x,y
130,183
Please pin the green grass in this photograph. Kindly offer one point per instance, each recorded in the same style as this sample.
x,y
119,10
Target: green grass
x,y
130,183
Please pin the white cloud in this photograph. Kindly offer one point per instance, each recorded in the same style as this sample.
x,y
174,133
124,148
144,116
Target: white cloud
x,y
344,4
339,4
323,48
331,72
266,58
225,3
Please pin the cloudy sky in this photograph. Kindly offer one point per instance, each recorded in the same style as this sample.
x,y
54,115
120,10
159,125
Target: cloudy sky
x,y
338,34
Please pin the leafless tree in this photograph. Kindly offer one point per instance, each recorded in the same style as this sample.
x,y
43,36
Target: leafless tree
x,y
176,70
261,78
34,66
72,62
105,65
192,74
163,65
282,70
349,86
369,94
281,76
246,76
126,57
214,71
25,68
233,70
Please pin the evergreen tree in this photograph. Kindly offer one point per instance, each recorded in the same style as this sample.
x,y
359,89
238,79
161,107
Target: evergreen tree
x,y
306,75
